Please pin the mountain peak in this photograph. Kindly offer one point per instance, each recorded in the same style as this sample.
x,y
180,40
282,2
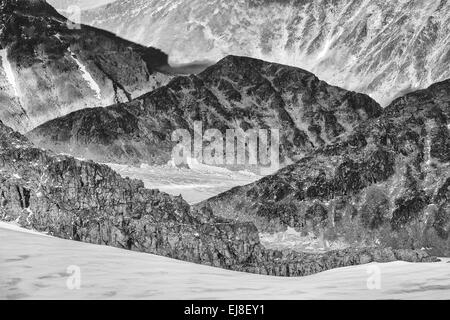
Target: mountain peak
x,y
236,61
239,68
424,101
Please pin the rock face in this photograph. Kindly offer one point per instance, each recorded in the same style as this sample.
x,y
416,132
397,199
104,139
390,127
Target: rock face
x,y
89,202
236,93
51,66
387,183
382,48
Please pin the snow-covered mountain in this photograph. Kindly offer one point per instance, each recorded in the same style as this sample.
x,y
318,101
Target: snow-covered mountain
x,y
382,47
50,66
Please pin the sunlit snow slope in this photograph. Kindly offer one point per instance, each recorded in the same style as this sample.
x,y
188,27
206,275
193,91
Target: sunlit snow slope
x,y
36,267
382,47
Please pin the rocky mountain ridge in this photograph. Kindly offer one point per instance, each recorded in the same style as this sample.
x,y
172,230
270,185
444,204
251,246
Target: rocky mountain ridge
x,y
236,93
387,183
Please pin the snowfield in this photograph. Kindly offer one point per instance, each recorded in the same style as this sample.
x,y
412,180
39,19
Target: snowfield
x,y
34,266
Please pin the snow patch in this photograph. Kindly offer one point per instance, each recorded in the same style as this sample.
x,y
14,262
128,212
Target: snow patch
x,y
57,36
30,214
293,240
87,76
9,71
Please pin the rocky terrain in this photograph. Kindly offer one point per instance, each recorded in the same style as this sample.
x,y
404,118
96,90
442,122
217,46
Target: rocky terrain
x,y
388,183
51,66
382,48
88,202
367,184
236,93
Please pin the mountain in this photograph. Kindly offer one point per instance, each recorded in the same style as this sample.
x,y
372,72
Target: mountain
x,y
51,66
387,183
88,202
383,48
237,92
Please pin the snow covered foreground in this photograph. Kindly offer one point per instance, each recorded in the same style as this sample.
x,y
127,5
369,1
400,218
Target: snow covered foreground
x,y
34,266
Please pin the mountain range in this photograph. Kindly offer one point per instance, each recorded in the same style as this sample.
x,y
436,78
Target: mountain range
x,y
85,201
371,184
383,48
387,183
236,93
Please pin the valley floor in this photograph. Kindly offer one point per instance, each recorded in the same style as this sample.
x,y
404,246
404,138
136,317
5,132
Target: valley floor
x,y
195,185
35,266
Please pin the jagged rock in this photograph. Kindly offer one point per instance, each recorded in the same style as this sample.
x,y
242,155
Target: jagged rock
x,y
50,66
235,93
386,183
88,202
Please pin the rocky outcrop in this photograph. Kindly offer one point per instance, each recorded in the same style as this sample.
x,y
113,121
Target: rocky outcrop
x,y
236,93
51,66
382,48
88,202
385,184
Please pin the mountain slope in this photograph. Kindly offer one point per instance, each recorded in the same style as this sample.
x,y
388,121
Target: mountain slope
x,y
88,202
382,48
237,92
388,183
50,67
